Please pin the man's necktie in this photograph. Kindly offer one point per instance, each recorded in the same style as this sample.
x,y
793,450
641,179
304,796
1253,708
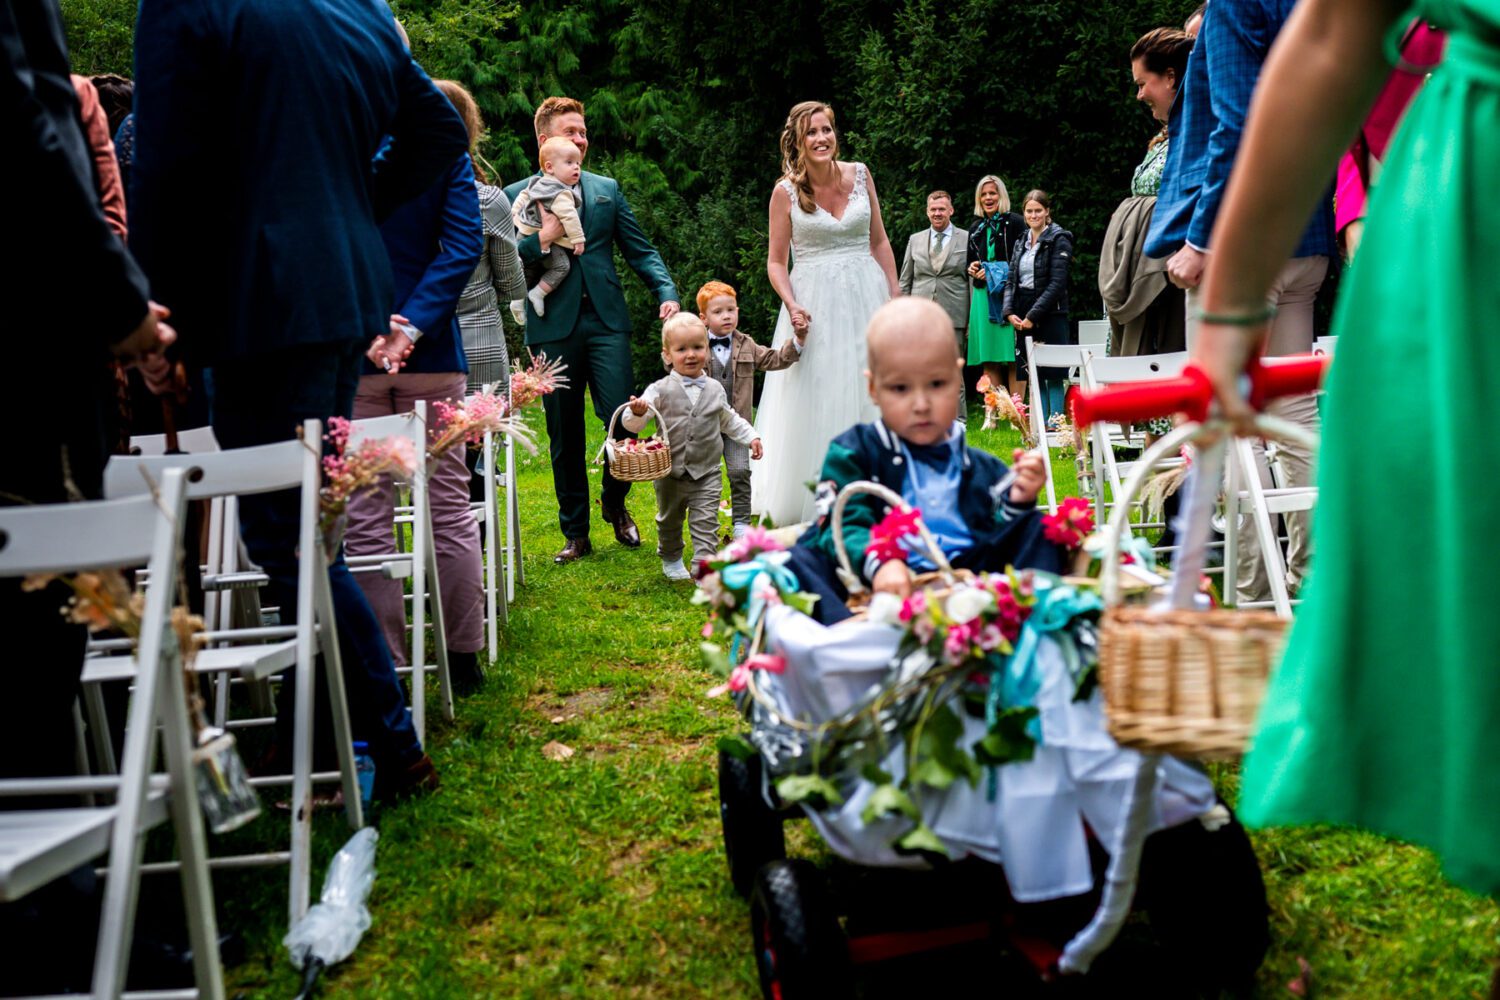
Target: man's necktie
x,y
937,243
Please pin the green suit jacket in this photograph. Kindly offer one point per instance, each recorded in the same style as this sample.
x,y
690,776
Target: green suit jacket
x,y
607,221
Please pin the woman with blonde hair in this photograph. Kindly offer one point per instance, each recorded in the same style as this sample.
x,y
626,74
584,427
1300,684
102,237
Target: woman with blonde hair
x,y
992,342
498,277
825,215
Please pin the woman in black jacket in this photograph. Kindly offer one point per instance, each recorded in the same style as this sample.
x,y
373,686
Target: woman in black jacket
x,y
1036,292
992,343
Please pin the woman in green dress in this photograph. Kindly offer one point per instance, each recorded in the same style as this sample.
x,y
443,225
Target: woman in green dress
x,y
992,344
1385,712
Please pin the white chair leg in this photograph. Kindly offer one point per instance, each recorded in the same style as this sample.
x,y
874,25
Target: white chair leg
x,y
515,568
338,702
417,657
187,821
104,747
1232,488
1270,547
491,551
439,627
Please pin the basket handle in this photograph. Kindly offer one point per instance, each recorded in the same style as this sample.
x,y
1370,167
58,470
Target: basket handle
x,y
608,447
1208,433
896,501
1191,393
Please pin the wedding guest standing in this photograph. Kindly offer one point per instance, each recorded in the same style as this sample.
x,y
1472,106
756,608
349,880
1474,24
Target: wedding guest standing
x,y
1145,309
499,277
992,341
434,242
1206,122
1036,292
297,283
936,261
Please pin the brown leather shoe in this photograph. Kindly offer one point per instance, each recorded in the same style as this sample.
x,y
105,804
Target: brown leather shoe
x,y
626,533
576,548
417,778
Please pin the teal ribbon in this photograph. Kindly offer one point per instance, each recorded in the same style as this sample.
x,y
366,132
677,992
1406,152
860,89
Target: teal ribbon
x,y
1019,678
746,577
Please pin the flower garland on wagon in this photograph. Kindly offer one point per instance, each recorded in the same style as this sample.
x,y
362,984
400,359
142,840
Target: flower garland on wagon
x,y
963,649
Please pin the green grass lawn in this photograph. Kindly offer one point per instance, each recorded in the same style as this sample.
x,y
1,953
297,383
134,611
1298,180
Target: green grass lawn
x,y
602,874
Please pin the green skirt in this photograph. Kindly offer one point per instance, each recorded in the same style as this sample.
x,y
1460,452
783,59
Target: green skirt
x,y
988,342
1385,711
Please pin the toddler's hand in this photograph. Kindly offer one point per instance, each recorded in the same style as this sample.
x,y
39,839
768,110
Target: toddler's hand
x,y
638,406
1031,476
800,333
892,577
755,449
577,248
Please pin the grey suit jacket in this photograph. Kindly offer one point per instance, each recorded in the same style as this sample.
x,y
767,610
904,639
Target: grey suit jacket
x,y
945,281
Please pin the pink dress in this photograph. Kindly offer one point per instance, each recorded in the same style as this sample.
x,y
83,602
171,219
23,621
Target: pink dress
x,y
1421,48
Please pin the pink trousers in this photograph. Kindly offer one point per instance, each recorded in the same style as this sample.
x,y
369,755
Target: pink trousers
x,y
371,520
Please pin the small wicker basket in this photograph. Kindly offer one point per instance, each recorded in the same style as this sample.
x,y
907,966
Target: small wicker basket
x,y
936,582
638,466
1179,681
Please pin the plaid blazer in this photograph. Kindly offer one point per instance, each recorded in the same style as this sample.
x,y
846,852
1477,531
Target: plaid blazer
x,y
1207,121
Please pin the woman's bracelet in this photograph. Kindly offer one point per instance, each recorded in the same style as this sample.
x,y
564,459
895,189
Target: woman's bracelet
x,y
1238,319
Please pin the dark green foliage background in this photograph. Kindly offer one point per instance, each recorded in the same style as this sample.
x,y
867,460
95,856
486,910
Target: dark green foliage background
x,y
686,99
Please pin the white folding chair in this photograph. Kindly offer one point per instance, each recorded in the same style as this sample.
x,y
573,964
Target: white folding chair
x,y
40,845
230,597
260,652
420,564
1099,372
1325,345
501,534
1047,356
1093,333
1246,495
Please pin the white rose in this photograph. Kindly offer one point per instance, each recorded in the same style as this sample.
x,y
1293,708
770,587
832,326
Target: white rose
x,y
968,603
884,609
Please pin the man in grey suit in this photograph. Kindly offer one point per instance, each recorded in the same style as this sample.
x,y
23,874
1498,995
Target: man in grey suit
x,y
935,267
936,262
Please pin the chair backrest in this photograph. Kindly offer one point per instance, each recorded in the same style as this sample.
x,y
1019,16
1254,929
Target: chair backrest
x,y
193,441
95,534
1107,371
1093,332
1056,355
236,472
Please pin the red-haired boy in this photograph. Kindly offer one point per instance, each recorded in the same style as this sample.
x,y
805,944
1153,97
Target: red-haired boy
x,y
733,361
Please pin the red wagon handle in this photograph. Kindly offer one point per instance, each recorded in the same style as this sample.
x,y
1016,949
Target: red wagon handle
x,y
1191,394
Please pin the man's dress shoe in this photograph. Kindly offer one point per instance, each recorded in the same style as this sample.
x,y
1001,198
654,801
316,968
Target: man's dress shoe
x,y
576,548
626,533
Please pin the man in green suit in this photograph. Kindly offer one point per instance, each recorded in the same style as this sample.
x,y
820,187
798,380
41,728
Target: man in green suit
x,y
588,329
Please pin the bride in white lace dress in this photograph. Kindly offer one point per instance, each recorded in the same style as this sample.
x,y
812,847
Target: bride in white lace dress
x,y
826,212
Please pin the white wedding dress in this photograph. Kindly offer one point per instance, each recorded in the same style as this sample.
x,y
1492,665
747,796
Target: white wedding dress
x,y
804,407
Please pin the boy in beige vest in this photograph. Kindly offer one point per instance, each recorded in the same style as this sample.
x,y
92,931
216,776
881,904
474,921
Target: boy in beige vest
x,y
696,417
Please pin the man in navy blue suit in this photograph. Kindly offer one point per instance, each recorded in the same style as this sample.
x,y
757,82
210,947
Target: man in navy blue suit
x,y
257,193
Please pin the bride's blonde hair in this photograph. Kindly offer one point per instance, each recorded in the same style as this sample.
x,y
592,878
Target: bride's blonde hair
x,y
792,166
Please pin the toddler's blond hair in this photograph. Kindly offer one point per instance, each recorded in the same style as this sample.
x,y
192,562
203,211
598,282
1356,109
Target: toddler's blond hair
x,y
681,322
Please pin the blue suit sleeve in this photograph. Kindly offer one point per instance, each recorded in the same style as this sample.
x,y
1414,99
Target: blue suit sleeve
x,y
461,241
1237,41
176,74
639,252
425,138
